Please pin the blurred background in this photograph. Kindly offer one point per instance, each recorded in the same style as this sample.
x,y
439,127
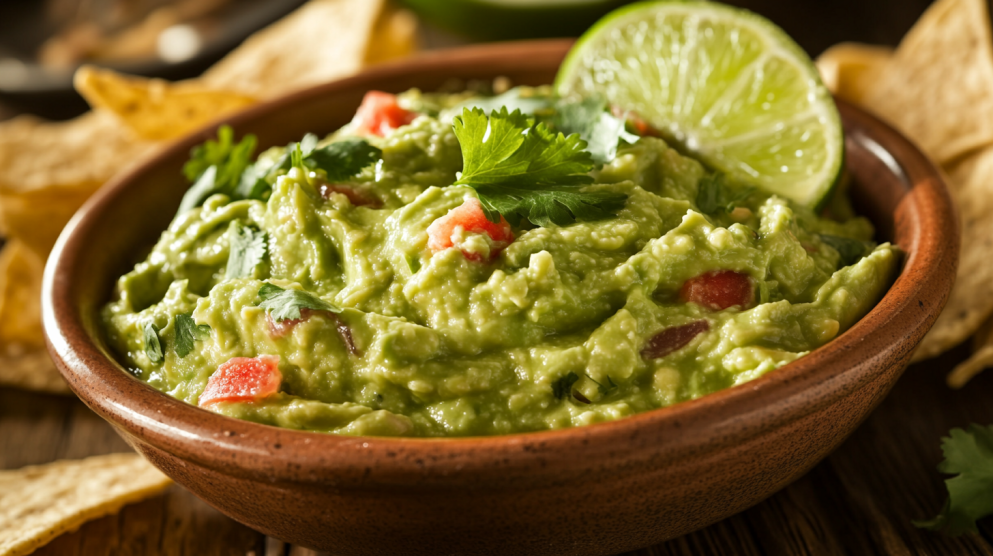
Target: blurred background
x,y
43,41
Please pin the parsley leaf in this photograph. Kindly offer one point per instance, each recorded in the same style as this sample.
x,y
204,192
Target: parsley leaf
x,y
188,332
850,250
247,248
563,386
285,304
601,130
969,456
216,167
519,168
714,194
153,344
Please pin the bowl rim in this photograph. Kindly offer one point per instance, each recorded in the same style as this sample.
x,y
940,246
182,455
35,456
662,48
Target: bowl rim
x,y
220,442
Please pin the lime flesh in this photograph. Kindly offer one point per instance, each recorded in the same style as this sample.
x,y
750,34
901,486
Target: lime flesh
x,y
725,84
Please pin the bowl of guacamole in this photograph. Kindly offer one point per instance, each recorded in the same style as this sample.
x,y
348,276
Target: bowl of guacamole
x,y
397,277
364,319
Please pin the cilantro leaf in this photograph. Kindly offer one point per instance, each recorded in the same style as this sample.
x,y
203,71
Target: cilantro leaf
x,y
188,332
296,156
601,130
247,248
850,250
519,168
551,205
339,160
223,166
343,159
285,304
969,456
714,194
253,185
563,386
153,344
604,389
216,167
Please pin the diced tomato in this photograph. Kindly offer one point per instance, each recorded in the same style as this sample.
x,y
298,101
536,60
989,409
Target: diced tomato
x,y
356,197
379,114
719,289
243,379
278,329
641,127
470,217
673,338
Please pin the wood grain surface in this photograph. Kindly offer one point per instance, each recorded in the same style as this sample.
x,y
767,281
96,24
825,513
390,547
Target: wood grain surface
x,y
860,500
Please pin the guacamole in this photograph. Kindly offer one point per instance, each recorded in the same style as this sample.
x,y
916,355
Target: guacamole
x,y
352,285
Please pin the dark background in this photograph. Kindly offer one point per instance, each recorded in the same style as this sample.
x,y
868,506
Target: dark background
x,y
814,24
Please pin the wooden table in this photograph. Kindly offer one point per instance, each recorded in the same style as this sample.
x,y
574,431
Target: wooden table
x,y
860,500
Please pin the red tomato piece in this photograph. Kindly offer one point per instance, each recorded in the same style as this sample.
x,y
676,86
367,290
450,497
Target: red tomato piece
x,y
470,217
719,289
673,338
243,379
356,197
641,127
379,114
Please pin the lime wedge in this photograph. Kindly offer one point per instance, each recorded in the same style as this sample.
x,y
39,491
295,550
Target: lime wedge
x,y
725,83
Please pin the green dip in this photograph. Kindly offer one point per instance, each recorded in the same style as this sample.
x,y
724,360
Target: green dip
x,y
564,327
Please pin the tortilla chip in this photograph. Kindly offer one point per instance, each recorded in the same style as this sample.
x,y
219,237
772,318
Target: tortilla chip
x,y
41,502
321,41
20,296
982,356
48,169
153,108
938,88
24,362
31,370
850,70
971,300
79,154
394,36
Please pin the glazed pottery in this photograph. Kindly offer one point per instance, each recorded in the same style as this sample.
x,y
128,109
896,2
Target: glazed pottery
x,y
600,489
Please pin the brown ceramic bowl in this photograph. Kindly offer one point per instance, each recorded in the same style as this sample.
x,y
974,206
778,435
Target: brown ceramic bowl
x,y
599,489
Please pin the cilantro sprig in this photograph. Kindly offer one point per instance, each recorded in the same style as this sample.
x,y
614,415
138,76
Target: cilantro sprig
x,y
223,166
283,304
521,169
968,456
247,248
589,117
714,194
562,387
188,332
216,167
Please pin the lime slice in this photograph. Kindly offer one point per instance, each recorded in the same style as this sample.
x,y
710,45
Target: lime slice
x,y
726,84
